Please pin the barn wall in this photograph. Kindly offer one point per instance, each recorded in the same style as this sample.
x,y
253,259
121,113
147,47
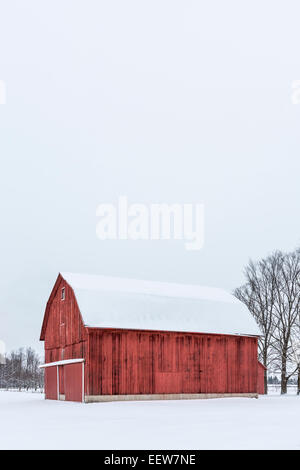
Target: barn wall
x,y
260,378
127,362
66,336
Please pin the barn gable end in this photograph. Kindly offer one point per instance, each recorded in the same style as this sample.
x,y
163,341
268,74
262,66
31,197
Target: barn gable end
x,y
63,330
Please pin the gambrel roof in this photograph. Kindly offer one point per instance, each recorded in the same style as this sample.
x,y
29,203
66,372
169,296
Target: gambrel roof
x,y
108,302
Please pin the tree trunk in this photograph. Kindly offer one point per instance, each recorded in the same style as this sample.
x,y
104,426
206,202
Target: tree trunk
x,y
265,383
283,384
283,377
265,360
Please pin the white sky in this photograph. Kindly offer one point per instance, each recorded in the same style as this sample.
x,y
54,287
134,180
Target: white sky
x,y
162,101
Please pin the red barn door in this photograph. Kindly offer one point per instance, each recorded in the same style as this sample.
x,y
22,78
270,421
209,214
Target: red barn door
x,y
64,380
73,382
51,388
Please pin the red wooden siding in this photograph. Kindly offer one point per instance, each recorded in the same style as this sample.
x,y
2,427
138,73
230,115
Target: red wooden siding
x,y
73,382
260,378
142,362
51,383
61,375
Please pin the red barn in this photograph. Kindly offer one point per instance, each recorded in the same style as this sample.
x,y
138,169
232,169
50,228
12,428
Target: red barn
x,y
121,339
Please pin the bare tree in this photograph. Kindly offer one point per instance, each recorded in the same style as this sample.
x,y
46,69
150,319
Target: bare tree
x,y
258,294
272,294
21,370
287,304
295,355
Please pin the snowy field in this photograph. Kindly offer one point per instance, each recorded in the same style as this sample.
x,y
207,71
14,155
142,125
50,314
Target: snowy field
x,y
30,422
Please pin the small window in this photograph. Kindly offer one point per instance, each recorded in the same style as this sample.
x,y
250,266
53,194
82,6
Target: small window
x,y
63,294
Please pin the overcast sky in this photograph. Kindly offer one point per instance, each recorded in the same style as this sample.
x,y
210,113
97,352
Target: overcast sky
x,y
161,101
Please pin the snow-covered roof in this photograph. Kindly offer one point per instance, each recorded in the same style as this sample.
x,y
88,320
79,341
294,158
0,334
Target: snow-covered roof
x,y
109,302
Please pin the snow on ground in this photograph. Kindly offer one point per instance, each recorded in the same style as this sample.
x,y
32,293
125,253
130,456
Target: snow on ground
x,y
29,422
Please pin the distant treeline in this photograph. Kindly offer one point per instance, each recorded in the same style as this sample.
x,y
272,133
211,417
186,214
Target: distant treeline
x,y
21,370
274,380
